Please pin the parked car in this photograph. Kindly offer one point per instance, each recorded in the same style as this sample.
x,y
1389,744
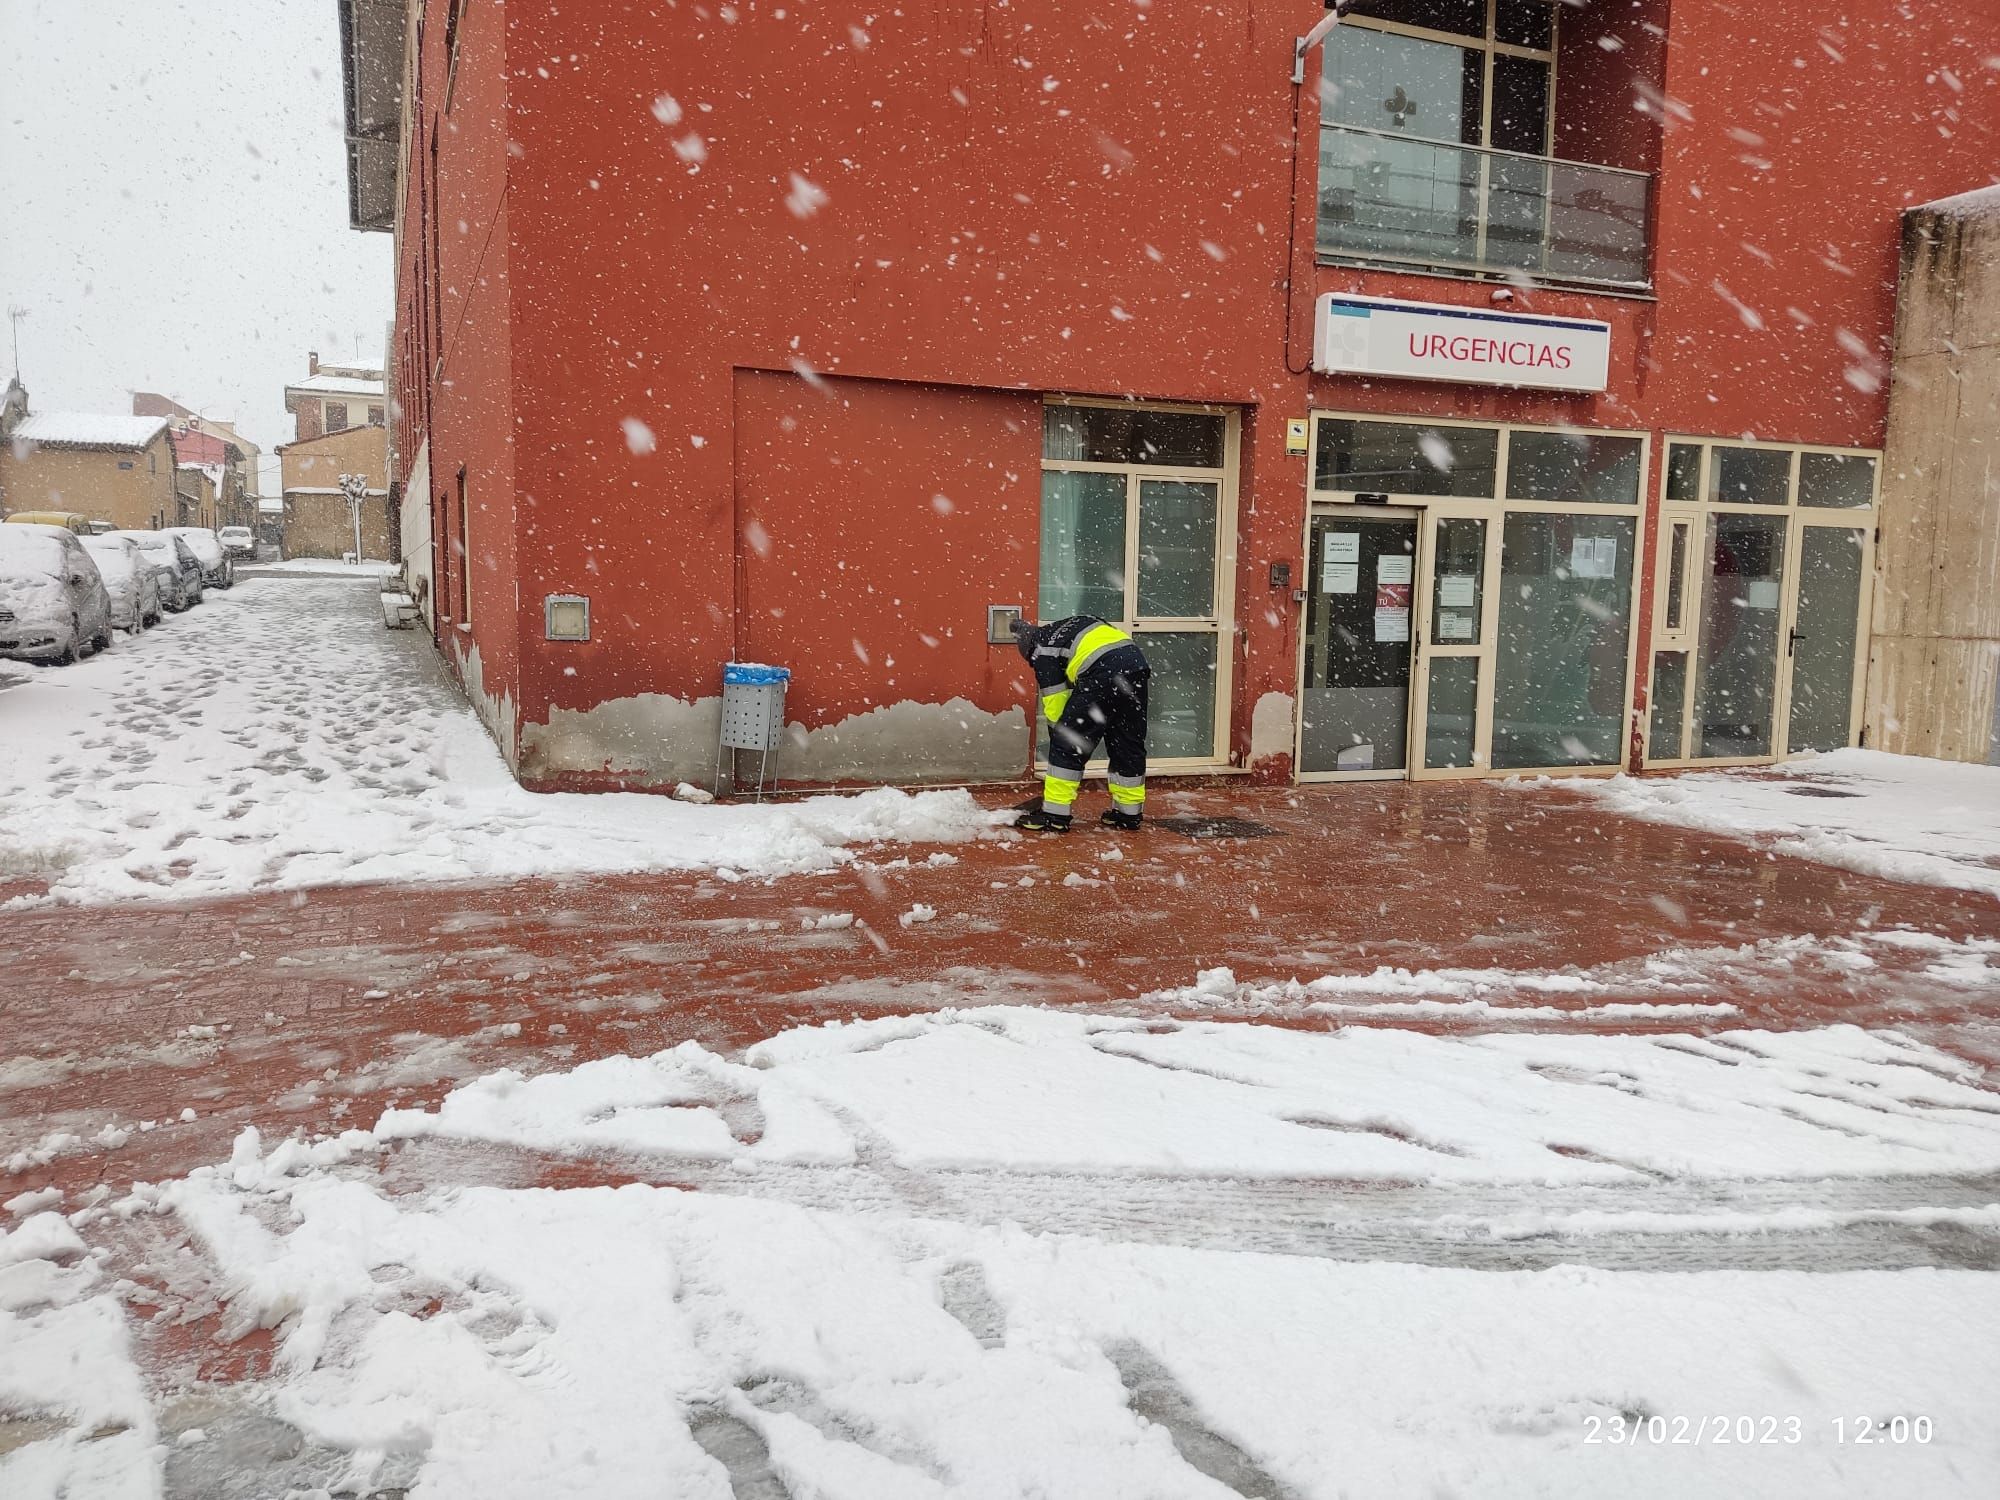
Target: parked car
x,y
53,606
217,570
238,541
174,565
129,579
68,520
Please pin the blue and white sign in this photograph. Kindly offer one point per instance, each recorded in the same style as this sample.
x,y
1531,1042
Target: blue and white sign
x,y
1428,341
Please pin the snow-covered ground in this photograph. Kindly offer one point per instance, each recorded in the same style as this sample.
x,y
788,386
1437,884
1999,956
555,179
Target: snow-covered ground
x,y
318,567
1926,821
278,736
1003,1253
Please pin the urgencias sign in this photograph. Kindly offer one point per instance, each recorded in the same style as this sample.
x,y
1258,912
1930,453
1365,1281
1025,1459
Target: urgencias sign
x,y
1428,341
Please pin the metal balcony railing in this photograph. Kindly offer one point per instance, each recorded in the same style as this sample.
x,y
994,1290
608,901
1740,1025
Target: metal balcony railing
x,y
1400,200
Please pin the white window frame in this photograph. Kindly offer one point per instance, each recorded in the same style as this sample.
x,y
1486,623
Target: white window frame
x,y
1223,623
1687,641
1494,509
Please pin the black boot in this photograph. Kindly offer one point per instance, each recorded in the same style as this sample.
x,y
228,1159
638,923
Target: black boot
x,y
1039,821
1124,822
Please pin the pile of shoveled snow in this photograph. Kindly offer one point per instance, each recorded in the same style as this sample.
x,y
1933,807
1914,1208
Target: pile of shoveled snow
x,y
66,1362
1017,1088
278,737
1929,822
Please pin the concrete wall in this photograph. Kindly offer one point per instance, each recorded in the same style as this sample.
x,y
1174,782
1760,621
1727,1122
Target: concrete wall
x,y
318,463
1934,663
320,525
138,496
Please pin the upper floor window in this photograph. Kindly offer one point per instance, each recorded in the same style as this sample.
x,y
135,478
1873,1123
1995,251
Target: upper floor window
x,y
1467,72
336,416
1440,143
374,416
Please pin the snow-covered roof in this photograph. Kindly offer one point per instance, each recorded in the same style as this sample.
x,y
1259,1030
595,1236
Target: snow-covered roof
x,y
89,429
1977,204
335,385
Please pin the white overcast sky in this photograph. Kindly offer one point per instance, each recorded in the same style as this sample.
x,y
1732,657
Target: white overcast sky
x,y
173,205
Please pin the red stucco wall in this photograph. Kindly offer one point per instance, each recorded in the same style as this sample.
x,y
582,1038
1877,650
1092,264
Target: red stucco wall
x,y
1042,197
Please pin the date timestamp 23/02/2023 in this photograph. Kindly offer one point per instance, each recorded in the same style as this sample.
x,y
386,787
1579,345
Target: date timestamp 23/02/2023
x,y
1622,1430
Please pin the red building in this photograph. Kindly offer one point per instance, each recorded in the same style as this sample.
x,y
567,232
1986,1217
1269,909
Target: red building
x,y
1507,395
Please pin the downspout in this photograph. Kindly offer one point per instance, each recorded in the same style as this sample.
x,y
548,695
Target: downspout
x,y
1336,10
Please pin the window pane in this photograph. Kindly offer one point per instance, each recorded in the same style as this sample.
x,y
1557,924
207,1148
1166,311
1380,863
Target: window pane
x,y
1565,605
1381,81
1664,738
1825,636
1737,667
1181,699
1525,23
1083,546
1460,17
1520,105
1581,467
1836,479
1677,562
1176,549
1406,458
1449,711
1749,476
1133,435
1683,472
1457,592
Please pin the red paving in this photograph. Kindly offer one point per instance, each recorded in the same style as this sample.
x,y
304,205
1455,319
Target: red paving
x,y
327,1005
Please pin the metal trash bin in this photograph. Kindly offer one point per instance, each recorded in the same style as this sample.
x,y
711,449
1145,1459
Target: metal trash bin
x,y
753,717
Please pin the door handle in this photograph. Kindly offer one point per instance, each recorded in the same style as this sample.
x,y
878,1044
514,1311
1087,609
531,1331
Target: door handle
x,y
1792,644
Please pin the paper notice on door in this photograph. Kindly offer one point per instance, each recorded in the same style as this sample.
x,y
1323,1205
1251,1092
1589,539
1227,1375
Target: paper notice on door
x,y
1343,546
1391,625
1355,758
1454,625
1455,590
1392,567
1392,596
1593,557
1340,578
1761,593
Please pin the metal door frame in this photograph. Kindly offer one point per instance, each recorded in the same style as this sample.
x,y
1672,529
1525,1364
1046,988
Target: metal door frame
x,y
1361,515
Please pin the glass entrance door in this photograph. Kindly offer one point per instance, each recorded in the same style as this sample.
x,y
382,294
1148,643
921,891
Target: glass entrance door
x,y
1453,709
1825,632
1736,676
1361,584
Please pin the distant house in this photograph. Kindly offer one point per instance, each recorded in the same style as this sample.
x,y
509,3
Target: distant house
x,y
334,398
221,463
193,433
341,417
115,469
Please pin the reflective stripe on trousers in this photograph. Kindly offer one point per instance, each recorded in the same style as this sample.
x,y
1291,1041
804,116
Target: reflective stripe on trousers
x,y
1059,790
1128,791
1092,644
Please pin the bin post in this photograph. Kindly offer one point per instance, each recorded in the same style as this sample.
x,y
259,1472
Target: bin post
x,y
753,718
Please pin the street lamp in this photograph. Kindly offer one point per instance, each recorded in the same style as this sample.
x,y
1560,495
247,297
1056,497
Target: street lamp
x,y
354,487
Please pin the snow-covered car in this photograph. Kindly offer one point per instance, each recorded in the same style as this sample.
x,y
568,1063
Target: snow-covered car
x,y
53,606
129,579
217,569
174,565
238,541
